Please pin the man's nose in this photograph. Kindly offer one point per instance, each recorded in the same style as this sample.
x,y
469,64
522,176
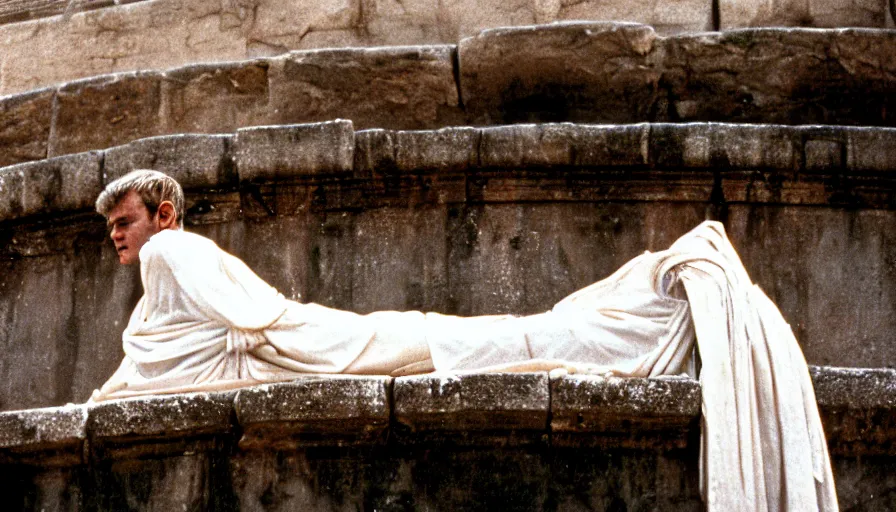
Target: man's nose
x,y
116,234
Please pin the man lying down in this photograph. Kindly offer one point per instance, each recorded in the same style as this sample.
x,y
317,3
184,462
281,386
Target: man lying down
x,y
207,322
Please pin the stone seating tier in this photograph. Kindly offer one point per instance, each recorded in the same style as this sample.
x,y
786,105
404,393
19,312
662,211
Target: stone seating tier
x,y
158,34
93,455
587,72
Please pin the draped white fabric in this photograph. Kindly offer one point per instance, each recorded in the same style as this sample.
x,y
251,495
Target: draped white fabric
x,y
207,322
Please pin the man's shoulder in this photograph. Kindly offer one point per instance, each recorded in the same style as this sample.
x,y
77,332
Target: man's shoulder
x,y
170,243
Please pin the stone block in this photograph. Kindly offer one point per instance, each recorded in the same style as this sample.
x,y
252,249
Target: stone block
x,y
666,16
627,412
396,87
780,75
290,152
573,71
161,416
858,408
57,185
195,161
215,98
103,112
49,436
802,13
491,401
870,150
563,145
389,152
124,38
447,150
321,410
25,126
723,146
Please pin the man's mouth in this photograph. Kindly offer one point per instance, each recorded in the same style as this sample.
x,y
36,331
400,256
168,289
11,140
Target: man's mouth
x,y
123,247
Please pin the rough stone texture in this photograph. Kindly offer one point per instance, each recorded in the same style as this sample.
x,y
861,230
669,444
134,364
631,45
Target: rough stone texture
x,y
320,410
804,258
802,13
144,35
195,161
583,471
104,112
556,145
167,33
788,76
290,152
624,412
215,98
396,87
50,436
161,416
59,185
575,71
25,126
723,146
858,407
472,402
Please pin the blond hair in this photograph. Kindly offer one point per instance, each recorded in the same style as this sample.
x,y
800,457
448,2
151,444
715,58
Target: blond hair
x,y
153,187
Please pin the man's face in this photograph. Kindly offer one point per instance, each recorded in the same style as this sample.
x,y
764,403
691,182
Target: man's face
x,y
130,226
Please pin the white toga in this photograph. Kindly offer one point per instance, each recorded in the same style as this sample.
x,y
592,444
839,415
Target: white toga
x,y
207,322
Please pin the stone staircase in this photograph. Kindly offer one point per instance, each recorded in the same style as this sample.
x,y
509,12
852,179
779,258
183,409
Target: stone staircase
x,y
493,175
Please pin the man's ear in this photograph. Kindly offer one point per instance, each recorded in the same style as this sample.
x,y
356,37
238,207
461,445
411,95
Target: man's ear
x,y
167,215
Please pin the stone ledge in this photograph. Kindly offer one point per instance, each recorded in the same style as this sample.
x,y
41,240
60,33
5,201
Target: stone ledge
x,y
344,169
49,437
195,161
859,409
856,404
66,184
617,411
294,151
317,410
472,402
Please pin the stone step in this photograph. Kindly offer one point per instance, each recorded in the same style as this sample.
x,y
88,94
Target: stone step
x,y
140,445
833,166
159,34
587,72
857,407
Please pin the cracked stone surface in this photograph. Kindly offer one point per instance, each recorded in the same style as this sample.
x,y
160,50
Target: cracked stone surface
x,y
477,402
559,73
37,429
394,87
161,416
104,112
166,33
284,152
25,126
195,161
315,410
67,183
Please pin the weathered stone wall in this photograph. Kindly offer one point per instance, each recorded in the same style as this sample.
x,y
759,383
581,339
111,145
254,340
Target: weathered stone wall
x,y
474,442
157,34
463,220
581,72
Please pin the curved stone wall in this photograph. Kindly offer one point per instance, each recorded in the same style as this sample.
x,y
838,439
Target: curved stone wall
x,y
582,72
491,441
461,220
157,34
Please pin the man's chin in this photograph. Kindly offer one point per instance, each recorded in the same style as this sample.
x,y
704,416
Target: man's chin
x,y
125,259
